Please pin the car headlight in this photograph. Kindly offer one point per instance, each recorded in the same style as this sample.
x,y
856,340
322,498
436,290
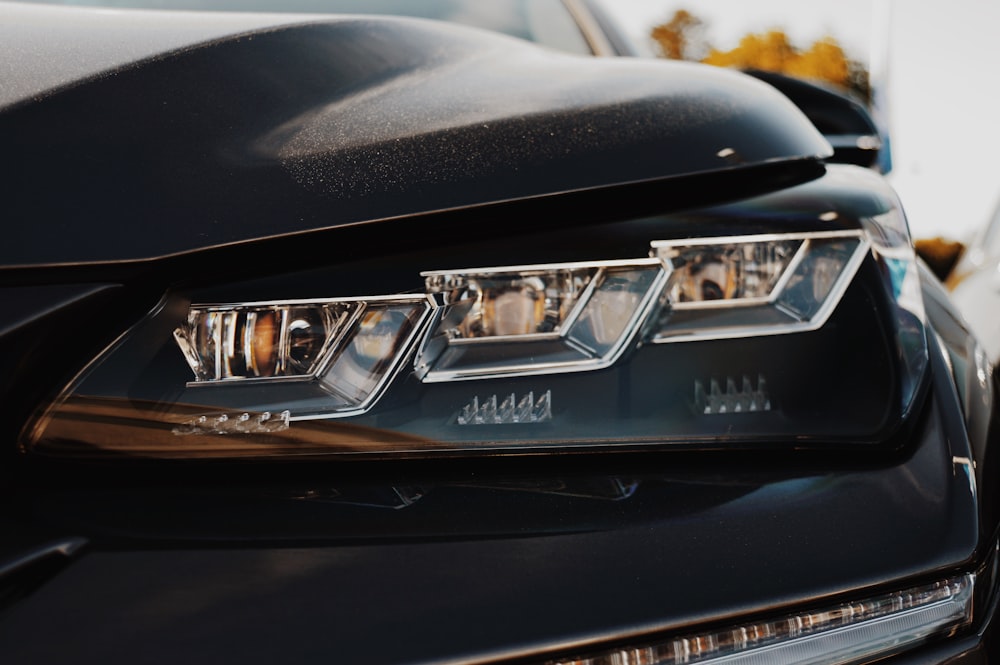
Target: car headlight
x,y
761,340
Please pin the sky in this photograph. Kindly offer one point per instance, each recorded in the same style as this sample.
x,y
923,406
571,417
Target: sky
x,y
937,60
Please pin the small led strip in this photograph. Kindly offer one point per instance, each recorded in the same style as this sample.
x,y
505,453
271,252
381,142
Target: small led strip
x,y
842,634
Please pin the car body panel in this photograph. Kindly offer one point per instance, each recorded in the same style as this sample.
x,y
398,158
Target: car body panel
x,y
527,570
328,124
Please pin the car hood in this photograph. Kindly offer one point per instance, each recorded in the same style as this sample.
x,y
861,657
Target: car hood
x,y
145,134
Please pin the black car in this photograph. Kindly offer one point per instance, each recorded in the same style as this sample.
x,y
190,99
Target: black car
x,y
385,340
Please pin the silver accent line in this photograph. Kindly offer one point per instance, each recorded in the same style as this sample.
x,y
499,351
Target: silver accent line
x,y
542,267
758,237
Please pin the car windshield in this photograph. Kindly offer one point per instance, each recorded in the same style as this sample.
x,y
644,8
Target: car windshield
x,y
546,22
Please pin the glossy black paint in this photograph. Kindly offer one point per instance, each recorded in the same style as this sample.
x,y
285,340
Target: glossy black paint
x,y
473,569
330,124
845,122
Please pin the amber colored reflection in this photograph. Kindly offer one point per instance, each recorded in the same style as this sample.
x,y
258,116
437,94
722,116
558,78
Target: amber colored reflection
x,y
264,346
89,426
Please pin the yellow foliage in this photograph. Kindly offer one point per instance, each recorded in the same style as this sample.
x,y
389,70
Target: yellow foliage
x,y
676,35
772,51
824,60
681,38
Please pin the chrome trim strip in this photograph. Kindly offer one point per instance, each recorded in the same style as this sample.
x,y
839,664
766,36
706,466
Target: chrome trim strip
x,y
758,237
414,297
542,267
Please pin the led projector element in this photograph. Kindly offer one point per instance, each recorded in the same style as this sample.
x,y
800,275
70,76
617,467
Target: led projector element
x,y
262,340
756,285
848,633
732,270
348,348
503,304
524,320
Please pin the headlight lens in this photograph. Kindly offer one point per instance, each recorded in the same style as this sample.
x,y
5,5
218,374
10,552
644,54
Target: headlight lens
x,y
528,320
736,287
782,334
345,349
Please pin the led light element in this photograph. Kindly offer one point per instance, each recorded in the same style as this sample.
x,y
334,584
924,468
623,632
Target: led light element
x,y
524,320
261,340
744,399
346,350
742,271
240,423
756,285
507,411
502,304
848,633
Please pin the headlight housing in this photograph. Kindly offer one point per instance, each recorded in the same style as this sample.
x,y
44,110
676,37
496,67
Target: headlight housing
x,y
762,340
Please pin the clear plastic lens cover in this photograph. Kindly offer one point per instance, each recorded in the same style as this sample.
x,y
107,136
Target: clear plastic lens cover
x,y
508,302
261,341
733,270
526,357
561,318
754,286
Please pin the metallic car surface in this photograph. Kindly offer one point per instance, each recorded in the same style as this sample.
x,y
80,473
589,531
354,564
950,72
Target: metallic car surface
x,y
326,124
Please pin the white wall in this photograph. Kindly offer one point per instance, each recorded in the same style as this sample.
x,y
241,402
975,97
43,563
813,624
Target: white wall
x,y
944,73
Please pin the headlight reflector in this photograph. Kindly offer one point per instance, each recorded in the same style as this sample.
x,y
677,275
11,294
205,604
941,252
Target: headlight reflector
x,y
261,340
754,285
345,350
558,318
